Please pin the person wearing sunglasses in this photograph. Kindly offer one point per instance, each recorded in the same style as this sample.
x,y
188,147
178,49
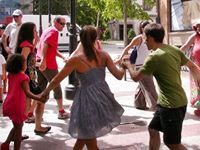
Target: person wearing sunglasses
x,y
11,32
48,69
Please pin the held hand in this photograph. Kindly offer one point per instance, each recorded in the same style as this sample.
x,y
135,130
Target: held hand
x,y
44,97
8,50
42,66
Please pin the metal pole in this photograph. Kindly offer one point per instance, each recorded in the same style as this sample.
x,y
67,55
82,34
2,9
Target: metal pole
x,y
73,82
40,19
49,11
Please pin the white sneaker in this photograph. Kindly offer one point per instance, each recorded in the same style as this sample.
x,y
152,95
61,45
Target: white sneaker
x,y
63,115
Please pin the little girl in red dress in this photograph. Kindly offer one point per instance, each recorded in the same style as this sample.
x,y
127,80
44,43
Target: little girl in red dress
x,y
14,105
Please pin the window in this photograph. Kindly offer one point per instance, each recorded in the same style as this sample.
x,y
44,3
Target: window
x,y
184,13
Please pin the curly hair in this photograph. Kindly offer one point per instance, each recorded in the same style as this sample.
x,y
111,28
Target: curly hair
x,y
15,63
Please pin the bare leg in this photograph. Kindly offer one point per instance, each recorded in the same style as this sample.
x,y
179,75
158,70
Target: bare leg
x,y
38,117
60,104
17,135
79,144
5,85
1,94
91,144
33,105
28,104
154,143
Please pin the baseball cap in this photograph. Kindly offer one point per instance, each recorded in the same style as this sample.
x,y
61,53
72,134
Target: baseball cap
x,y
17,12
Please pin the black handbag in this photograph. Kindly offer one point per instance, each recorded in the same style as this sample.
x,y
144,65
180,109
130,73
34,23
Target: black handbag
x,y
34,88
133,56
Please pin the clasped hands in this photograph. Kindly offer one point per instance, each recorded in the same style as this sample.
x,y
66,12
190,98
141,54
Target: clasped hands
x,y
44,96
124,62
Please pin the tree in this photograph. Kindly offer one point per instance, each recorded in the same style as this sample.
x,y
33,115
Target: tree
x,y
118,9
61,7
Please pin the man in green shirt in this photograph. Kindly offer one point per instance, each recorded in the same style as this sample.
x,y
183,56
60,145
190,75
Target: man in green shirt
x,y
165,64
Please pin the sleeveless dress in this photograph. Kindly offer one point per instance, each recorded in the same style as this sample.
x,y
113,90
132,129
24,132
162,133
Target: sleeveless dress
x,y
95,112
14,105
195,56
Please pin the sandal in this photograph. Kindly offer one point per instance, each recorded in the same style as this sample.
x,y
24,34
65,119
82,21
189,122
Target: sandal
x,y
42,132
24,137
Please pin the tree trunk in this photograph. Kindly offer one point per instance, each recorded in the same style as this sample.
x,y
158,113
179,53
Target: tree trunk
x,y
97,23
125,23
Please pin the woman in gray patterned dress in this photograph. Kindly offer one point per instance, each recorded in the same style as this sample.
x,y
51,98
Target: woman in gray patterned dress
x,y
94,112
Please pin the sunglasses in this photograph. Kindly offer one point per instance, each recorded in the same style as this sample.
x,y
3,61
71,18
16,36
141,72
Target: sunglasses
x,y
15,16
62,23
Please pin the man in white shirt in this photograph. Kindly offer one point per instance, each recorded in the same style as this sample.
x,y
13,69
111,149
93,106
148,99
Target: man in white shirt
x,y
11,32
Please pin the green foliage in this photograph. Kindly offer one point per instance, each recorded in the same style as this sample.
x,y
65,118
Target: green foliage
x,y
106,35
131,33
61,7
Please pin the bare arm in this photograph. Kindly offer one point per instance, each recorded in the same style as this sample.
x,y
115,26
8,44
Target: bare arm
x,y
135,75
3,71
5,45
42,65
135,41
188,43
195,71
117,73
25,52
26,88
60,55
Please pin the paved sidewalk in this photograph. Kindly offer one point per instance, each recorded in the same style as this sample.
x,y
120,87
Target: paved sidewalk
x,y
132,134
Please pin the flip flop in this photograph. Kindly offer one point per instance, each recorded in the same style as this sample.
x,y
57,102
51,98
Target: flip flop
x,y
42,132
24,137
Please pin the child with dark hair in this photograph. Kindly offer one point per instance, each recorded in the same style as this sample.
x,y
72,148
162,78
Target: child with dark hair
x,y
14,105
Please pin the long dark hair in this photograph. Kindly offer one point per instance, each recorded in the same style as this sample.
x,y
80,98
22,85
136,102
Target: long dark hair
x,y
142,25
88,36
26,33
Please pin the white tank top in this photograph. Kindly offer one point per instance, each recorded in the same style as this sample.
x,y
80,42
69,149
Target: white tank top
x,y
142,53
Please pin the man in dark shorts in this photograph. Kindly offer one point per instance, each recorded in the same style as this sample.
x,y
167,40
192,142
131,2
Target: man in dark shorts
x,y
164,63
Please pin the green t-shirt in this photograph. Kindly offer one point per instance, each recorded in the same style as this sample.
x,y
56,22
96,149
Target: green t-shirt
x,y
165,64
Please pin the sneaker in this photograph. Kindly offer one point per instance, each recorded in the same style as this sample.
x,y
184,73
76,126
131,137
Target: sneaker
x,y
31,118
63,114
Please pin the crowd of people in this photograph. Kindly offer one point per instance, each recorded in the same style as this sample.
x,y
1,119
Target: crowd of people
x,y
32,72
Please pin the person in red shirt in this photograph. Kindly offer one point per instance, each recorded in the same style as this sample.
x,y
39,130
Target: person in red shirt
x,y
48,69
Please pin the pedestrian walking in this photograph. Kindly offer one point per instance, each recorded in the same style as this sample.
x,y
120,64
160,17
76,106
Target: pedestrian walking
x,y
94,111
11,32
14,105
165,64
48,69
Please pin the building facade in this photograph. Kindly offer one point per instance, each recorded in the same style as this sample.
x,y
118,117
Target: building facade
x,y
178,17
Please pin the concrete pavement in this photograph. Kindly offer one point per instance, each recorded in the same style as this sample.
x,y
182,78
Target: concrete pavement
x,y
132,134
